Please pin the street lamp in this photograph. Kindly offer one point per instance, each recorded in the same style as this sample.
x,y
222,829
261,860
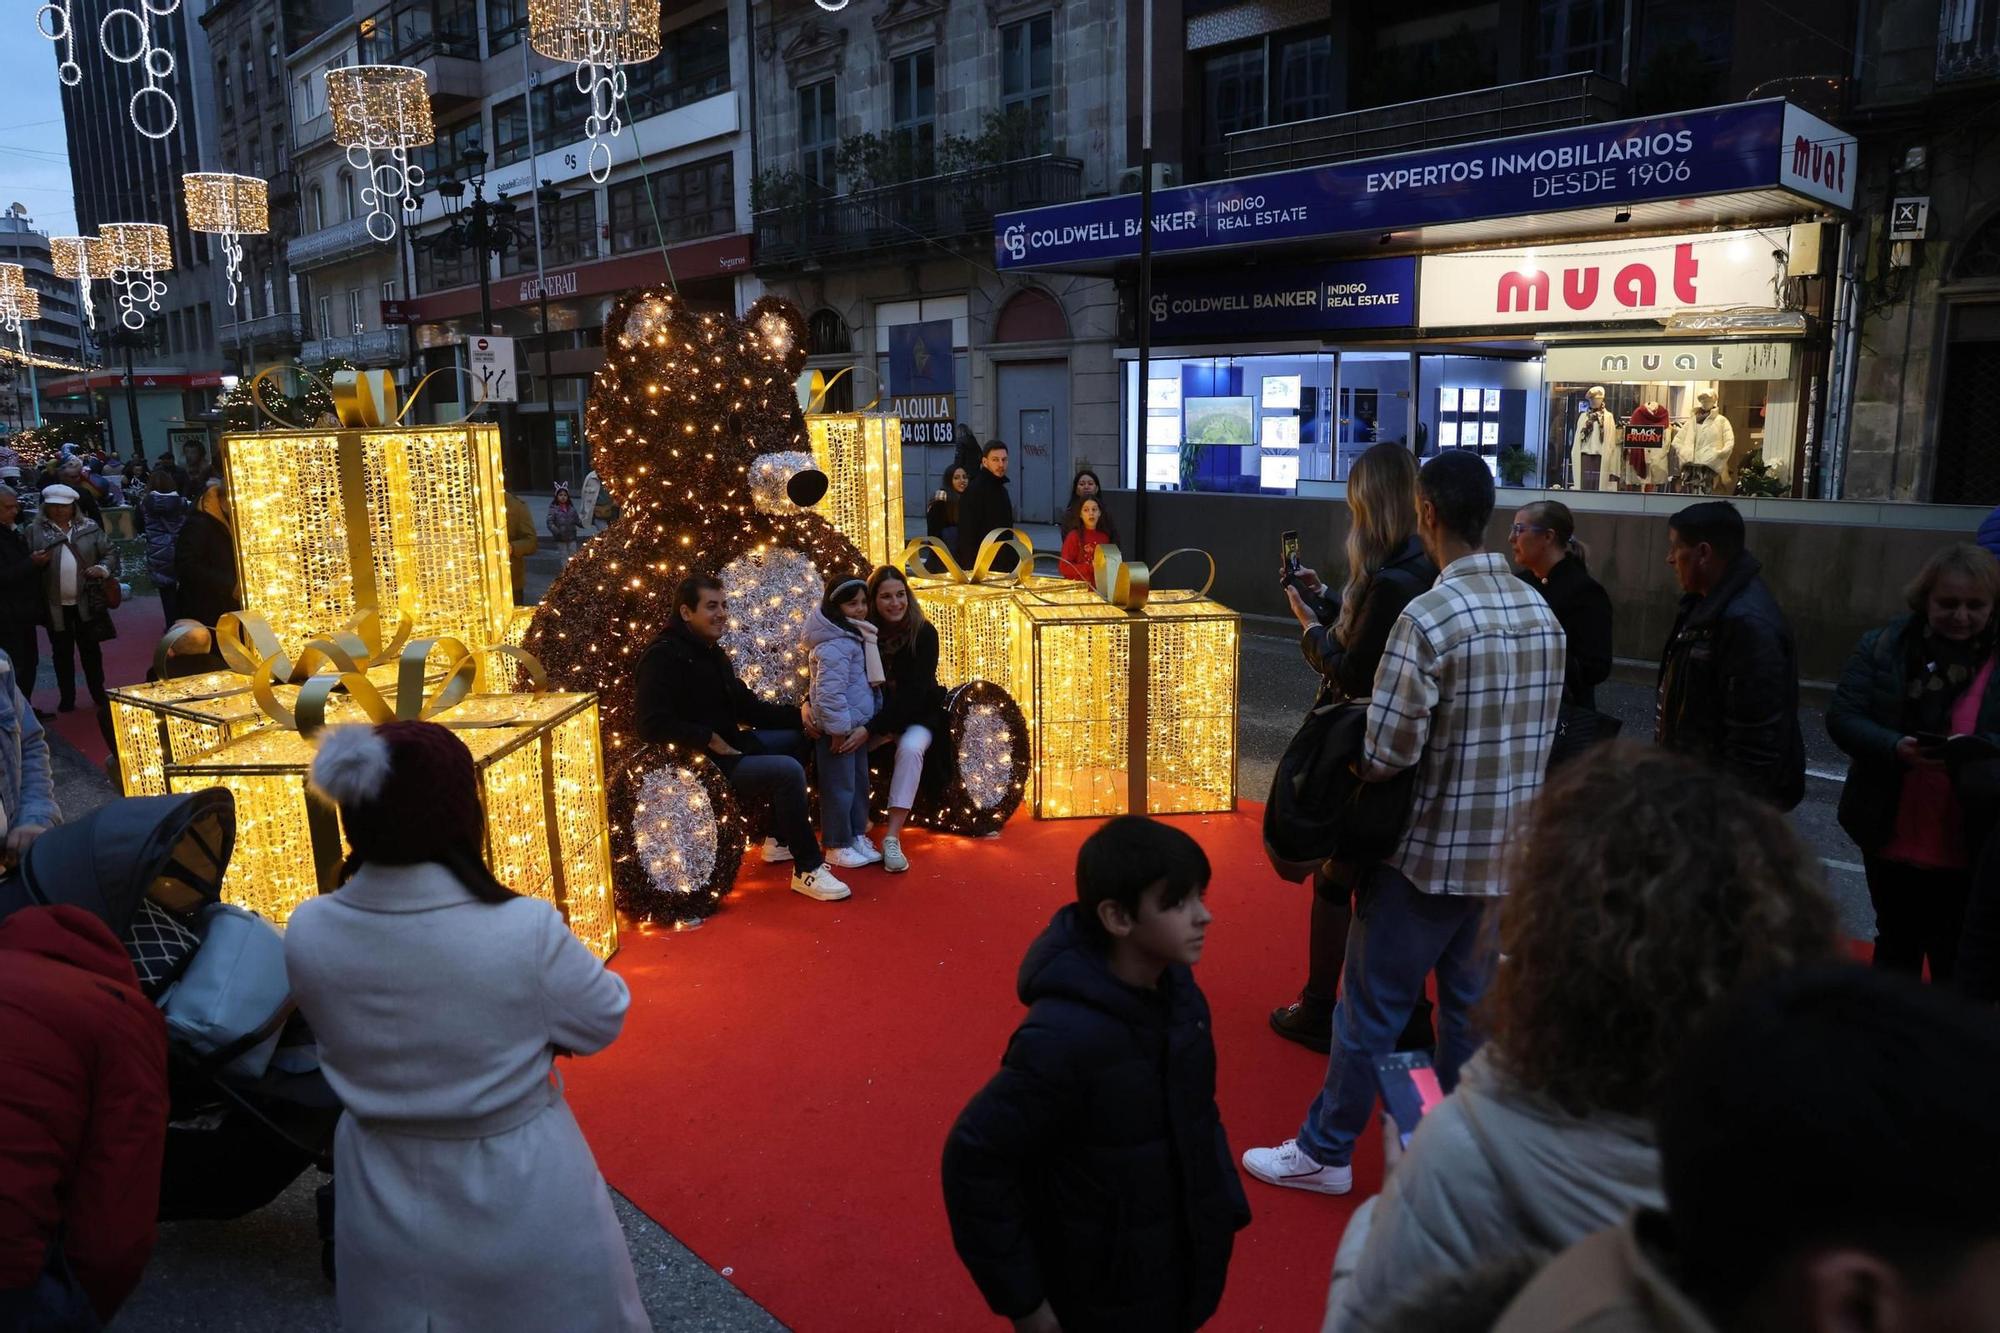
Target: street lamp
x,y
485,227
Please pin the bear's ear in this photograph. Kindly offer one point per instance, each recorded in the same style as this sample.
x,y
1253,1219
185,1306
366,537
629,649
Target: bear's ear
x,y
778,329
650,317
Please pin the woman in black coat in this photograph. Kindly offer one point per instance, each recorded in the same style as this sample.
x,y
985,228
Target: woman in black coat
x,y
1086,486
941,519
1552,563
912,712
1343,638
1924,675
205,562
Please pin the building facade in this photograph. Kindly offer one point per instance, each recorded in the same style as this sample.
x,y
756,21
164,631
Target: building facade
x,y
57,335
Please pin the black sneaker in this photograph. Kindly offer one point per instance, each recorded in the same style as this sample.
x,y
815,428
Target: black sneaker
x,y
1305,1025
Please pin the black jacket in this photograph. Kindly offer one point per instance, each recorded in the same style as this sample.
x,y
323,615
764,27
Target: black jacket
x,y
911,696
1349,672
205,569
1583,609
1729,686
22,600
687,690
986,505
1092,1171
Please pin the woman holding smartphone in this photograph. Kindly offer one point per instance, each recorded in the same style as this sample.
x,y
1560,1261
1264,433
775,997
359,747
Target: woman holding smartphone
x,y
1920,678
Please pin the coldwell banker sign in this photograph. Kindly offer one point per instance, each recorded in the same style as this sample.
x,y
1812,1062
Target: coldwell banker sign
x,y
1724,150
1355,294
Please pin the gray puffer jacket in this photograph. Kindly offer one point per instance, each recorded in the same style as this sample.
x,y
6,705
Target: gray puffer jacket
x,y
842,698
1493,1170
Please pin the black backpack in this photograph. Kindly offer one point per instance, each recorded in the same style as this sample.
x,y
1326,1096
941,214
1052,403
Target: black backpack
x,y
1319,810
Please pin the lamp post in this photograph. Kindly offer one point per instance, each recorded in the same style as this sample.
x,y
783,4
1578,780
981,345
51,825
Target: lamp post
x,y
486,227
129,340
546,199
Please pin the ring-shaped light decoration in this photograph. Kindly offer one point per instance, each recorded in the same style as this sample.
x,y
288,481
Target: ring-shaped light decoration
x,y
599,38
385,110
19,303
124,35
224,204
83,260
139,253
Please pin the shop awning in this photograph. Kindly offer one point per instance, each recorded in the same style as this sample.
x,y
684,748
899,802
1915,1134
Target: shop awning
x,y
1751,162
722,256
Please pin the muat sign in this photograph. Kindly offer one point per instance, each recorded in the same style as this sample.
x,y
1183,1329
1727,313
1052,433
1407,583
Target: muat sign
x,y
1636,285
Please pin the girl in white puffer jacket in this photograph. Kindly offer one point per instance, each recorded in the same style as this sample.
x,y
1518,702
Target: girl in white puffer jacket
x,y
846,691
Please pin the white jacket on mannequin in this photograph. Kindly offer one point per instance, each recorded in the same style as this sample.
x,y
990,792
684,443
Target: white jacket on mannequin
x,y
1706,443
1597,435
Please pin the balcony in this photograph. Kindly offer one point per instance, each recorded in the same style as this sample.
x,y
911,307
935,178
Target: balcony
x,y
859,228
1968,40
280,330
330,245
378,347
1489,113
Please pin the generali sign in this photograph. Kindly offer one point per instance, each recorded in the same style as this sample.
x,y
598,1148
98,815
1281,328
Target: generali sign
x,y
1598,281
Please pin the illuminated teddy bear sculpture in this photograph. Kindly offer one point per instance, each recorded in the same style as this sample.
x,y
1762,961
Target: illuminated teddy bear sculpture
x,y
695,429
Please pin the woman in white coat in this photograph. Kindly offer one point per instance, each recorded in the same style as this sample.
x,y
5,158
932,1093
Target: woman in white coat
x,y
466,1198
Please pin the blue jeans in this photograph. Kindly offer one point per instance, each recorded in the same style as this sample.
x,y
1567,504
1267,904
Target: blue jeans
x,y
779,775
1399,935
843,793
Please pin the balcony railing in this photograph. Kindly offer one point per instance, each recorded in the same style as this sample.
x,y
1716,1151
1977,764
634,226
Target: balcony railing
x,y
330,245
1968,40
283,329
1489,113
936,208
378,347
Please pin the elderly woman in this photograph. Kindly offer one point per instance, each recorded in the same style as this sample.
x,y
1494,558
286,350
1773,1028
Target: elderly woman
x,y
78,564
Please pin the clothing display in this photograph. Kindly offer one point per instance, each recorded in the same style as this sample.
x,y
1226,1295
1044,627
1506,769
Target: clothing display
x,y
1646,444
1705,440
1596,438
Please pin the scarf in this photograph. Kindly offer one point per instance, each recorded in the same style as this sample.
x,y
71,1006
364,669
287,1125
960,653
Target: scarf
x,y
870,654
1936,672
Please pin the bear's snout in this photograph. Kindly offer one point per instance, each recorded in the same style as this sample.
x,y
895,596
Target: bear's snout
x,y
786,482
806,488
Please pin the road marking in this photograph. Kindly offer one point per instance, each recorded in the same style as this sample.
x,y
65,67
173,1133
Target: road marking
x,y
1832,864
1826,774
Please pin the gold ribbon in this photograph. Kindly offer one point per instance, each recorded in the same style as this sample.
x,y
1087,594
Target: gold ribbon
x,y
1129,583
362,399
820,385
990,547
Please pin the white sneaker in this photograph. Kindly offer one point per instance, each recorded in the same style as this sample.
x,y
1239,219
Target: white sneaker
x,y
866,848
1288,1165
893,859
820,884
775,852
849,858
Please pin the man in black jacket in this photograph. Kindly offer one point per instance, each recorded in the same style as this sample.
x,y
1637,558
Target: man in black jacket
x,y
21,595
689,696
986,506
1729,678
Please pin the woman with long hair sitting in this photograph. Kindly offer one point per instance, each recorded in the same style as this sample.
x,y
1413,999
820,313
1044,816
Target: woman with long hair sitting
x,y
1645,889
912,711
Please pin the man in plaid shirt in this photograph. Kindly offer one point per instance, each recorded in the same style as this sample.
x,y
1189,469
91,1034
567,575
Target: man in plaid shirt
x,y
1467,695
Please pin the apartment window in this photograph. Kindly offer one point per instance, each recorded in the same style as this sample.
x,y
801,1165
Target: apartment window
x,y
274,62
560,111
505,20
693,64
270,294
377,38
1302,71
249,63
1580,36
347,207
325,307
569,231
1028,79
316,207
225,88
446,156
390,291
354,321
817,135
207,326
510,131
457,24
693,201
913,109
1232,90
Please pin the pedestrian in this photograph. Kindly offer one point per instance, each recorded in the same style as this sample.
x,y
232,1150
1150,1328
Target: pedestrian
x,y
563,522
1729,677
1924,676
986,507
1895,1082
1342,638
77,561
1546,1138
521,543
89,498
912,711
1553,563
83,1121
965,448
845,691
688,695
23,604
205,560
941,518
467,1197
1081,541
163,513
1086,487
1466,695
593,487
1089,1183
195,469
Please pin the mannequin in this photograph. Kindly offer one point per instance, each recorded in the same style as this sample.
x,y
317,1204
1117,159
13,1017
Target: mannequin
x,y
1596,437
1705,443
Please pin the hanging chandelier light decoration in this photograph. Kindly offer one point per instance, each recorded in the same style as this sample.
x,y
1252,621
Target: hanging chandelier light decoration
x,y
600,38
386,110
19,302
139,252
124,34
232,207
81,259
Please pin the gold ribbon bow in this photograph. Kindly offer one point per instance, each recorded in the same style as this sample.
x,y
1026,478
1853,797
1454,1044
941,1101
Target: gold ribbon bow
x,y
362,399
1129,583
990,547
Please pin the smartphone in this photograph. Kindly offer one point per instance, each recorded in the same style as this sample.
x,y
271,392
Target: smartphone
x,y
1409,1089
1288,543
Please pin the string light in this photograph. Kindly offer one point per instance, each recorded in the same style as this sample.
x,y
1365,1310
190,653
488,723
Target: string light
x,y
382,109
232,207
600,38
19,303
139,253
81,259
862,455
125,35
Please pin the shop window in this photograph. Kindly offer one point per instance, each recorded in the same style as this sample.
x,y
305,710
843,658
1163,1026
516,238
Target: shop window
x,y
693,64
687,204
1028,79
913,110
1968,467
1249,425
817,136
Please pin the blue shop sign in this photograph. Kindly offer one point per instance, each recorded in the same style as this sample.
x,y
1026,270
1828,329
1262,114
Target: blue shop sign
x,y
1308,298
1754,146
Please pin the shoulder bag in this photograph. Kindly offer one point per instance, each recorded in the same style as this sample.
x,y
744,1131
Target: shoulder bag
x,y
1319,809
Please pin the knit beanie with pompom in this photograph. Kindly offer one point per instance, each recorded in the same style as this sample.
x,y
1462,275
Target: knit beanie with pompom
x,y
407,791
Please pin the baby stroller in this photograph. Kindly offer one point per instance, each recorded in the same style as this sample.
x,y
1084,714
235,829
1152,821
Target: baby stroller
x,y
148,866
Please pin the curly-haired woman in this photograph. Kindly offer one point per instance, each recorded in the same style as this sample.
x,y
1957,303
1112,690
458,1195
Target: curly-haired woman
x,y
1641,895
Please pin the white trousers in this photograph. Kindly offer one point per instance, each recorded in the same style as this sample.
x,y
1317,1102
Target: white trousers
x,y
910,747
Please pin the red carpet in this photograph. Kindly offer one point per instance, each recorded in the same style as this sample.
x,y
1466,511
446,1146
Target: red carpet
x,y
785,1081
126,661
